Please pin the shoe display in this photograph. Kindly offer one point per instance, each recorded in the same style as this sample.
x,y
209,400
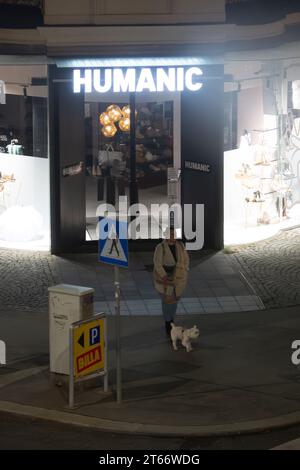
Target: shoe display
x,y
256,197
261,156
265,219
154,168
244,172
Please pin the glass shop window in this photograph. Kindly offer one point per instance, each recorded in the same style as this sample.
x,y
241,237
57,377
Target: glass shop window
x,y
24,164
107,126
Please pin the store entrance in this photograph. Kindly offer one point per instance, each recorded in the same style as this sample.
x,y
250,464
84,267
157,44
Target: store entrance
x,y
108,149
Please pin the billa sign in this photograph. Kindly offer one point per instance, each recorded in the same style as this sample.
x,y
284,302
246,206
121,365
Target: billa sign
x,y
88,347
137,80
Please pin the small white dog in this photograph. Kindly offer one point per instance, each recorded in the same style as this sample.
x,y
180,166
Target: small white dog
x,y
184,335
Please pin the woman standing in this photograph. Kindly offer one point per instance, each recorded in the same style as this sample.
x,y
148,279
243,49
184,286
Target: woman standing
x,y
171,264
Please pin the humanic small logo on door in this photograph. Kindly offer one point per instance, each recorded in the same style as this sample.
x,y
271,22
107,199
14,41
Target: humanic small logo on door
x,y
2,352
295,358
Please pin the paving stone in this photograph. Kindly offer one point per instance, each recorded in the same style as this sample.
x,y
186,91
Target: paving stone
x,y
194,310
248,308
190,299
212,310
230,308
271,267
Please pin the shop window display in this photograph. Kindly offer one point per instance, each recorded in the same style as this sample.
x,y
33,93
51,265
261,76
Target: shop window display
x,y
262,191
24,166
259,178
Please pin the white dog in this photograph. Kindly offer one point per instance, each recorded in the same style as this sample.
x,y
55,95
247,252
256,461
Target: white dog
x,y
184,335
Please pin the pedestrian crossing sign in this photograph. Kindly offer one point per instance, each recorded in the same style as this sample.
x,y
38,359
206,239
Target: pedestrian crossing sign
x,y
113,241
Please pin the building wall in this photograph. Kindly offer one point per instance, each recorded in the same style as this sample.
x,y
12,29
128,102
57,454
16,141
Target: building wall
x,y
250,112
78,12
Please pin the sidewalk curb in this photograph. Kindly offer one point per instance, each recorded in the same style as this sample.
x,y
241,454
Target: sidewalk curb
x,y
7,379
106,425
290,445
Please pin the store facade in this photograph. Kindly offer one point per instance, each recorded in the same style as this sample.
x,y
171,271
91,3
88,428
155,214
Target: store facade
x,y
178,106
245,169
215,102
230,129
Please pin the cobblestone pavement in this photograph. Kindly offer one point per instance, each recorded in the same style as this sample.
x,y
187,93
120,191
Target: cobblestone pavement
x,y
215,283
24,279
273,268
270,273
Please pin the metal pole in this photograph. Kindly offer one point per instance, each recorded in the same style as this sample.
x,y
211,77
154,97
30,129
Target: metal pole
x,y
118,337
133,191
117,195
105,358
71,371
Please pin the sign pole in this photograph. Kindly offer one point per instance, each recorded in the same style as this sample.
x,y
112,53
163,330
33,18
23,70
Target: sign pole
x,y
71,372
113,249
118,313
105,361
118,336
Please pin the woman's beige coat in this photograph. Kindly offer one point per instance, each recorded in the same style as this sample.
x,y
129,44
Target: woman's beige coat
x,y
163,256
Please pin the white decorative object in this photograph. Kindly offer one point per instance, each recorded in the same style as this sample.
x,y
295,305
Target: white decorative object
x,y
296,94
245,140
2,92
294,212
295,135
21,224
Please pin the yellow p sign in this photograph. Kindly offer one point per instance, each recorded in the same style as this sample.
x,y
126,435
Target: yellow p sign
x,y
88,346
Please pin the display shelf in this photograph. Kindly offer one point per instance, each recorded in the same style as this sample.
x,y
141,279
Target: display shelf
x,y
154,136
287,178
157,161
262,164
255,202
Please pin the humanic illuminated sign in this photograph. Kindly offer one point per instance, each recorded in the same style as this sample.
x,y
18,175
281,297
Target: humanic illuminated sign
x,y
137,80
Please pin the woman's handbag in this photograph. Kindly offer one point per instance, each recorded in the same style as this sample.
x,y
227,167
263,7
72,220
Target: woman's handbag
x,y
170,299
169,296
108,155
14,148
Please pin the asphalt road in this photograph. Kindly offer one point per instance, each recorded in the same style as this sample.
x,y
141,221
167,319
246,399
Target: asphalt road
x,y
24,433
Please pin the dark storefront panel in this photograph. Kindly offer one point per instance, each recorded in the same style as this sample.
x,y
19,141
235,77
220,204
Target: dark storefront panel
x,y
66,148
202,130
71,152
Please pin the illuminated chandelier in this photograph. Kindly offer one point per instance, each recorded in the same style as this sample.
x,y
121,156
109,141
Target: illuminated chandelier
x,y
113,115
109,130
